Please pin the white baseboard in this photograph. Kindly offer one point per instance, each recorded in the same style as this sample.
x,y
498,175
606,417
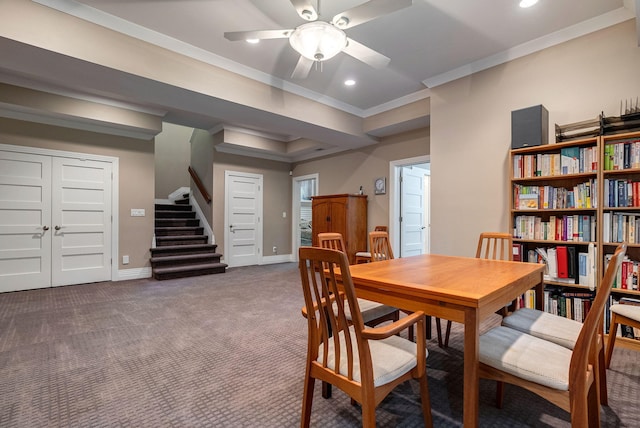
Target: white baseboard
x,y
280,258
136,273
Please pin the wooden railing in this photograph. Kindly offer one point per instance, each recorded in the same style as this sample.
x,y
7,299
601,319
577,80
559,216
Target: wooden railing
x,y
200,185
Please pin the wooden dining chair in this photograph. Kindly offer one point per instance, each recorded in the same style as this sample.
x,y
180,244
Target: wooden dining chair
x,y
365,256
366,363
560,375
493,246
379,246
373,313
621,314
562,331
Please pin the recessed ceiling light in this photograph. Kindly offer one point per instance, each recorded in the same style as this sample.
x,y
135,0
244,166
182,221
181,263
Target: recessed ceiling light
x,y
527,3
253,41
349,82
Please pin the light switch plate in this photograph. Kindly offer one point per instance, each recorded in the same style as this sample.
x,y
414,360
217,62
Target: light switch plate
x,y
137,212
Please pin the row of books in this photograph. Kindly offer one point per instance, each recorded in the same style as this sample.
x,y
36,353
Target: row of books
x,y
621,227
568,304
622,155
566,264
627,276
623,330
570,160
583,195
570,228
621,193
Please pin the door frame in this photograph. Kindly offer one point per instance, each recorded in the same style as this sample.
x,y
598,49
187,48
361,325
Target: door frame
x,y
295,210
259,212
394,194
115,195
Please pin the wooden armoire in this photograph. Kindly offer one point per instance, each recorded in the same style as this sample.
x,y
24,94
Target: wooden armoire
x,y
345,214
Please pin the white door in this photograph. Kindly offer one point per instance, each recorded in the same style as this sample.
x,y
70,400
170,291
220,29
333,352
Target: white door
x,y
412,211
25,221
243,227
55,221
81,219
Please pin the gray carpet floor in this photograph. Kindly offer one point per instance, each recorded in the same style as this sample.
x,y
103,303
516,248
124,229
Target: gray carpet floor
x,y
222,350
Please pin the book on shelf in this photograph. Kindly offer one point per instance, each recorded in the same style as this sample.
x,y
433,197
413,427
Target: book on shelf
x,y
569,228
621,227
627,276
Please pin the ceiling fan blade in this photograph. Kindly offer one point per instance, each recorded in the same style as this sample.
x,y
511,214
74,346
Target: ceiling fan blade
x,y
305,9
368,11
302,68
365,54
234,36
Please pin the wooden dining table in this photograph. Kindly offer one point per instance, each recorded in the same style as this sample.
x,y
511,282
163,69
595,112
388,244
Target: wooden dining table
x,y
461,289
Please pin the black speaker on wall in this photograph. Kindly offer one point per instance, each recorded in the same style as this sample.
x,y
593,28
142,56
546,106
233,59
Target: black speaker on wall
x,y
529,127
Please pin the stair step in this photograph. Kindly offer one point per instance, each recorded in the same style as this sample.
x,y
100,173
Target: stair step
x,y
173,207
182,201
185,259
175,214
175,250
181,240
179,222
179,230
188,270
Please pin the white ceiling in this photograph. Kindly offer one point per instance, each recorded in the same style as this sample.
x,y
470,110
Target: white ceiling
x,y
429,43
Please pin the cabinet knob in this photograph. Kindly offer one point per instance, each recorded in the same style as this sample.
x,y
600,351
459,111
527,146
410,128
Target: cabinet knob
x,y
45,228
328,218
57,228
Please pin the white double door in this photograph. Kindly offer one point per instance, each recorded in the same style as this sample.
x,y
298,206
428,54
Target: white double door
x,y
55,221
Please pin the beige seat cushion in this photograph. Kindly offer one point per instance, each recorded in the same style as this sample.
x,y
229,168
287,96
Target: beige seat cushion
x,y
629,311
526,357
391,358
560,330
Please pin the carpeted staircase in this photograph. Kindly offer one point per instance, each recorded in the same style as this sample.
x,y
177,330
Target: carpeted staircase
x,y
181,245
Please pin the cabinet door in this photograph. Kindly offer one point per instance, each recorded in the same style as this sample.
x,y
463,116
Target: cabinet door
x,y
339,218
321,218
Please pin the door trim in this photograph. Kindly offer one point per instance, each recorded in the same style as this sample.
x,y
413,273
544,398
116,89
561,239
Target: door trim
x,y
394,194
115,196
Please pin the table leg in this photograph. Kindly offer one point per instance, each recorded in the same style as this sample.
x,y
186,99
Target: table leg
x,y
471,388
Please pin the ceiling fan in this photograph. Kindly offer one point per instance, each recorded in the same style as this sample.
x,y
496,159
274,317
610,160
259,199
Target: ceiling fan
x,y
319,40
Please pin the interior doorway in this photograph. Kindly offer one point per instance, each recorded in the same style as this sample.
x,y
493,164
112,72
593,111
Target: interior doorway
x,y
304,188
409,206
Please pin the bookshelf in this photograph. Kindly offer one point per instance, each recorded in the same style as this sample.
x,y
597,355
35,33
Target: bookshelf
x,y
582,198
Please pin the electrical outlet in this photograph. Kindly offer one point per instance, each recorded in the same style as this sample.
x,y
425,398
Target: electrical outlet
x,y
125,260
275,249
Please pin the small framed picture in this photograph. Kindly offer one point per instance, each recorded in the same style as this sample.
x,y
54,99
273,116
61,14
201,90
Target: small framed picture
x,y
380,186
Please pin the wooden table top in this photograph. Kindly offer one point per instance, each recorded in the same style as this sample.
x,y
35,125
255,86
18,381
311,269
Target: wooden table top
x,y
463,281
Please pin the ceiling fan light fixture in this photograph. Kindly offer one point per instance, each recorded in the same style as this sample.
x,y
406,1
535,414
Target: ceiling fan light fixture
x,y
318,40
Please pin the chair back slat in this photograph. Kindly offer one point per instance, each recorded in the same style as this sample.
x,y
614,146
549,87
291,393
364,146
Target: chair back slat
x,y
587,339
495,246
379,246
325,305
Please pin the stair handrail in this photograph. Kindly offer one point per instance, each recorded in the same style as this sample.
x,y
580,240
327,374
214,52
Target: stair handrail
x,y
200,185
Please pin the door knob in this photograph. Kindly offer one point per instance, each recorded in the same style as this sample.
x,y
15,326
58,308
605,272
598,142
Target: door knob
x,y
45,228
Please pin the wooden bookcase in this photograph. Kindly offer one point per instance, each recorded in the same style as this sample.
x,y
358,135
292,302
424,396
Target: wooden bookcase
x,y
345,214
534,170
